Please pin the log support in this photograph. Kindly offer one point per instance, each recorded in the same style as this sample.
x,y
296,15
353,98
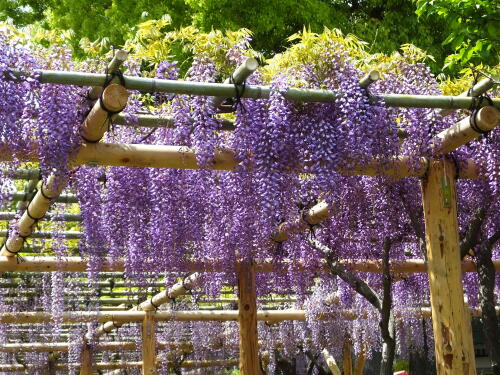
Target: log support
x,y
149,344
452,329
360,362
86,360
346,357
247,318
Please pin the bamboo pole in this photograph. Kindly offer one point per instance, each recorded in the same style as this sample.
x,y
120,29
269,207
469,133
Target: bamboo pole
x,y
478,89
346,357
96,123
255,92
452,331
238,77
22,174
360,362
149,344
330,362
247,319
36,209
181,157
48,216
120,317
114,99
152,121
121,365
102,346
46,234
485,119
86,360
114,65
77,264
63,198
371,77
154,302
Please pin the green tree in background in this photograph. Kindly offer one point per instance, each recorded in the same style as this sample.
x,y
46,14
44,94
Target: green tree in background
x,y
474,29
385,24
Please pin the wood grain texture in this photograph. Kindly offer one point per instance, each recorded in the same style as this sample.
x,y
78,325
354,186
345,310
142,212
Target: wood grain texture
x,y
247,318
149,344
452,329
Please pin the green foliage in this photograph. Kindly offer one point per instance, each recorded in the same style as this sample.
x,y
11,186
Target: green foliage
x,y
101,23
111,22
400,365
473,30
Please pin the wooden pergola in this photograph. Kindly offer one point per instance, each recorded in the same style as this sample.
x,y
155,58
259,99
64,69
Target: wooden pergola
x,y
450,316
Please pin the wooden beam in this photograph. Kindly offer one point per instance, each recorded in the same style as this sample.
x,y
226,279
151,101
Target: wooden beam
x,y
347,357
77,264
247,319
237,77
154,302
452,330
330,362
120,365
360,362
251,91
86,360
149,344
120,317
484,120
114,100
479,88
114,65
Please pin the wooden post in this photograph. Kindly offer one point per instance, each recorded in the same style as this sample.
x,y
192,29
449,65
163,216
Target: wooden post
x,y
360,362
452,330
149,344
330,362
346,357
114,99
86,360
247,318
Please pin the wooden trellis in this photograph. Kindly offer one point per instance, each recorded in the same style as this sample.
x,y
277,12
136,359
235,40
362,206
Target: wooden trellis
x,y
450,316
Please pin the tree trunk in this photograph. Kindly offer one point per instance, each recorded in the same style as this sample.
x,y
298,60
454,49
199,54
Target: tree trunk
x,y
388,348
486,272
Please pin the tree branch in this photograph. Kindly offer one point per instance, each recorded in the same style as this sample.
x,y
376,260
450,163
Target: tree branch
x,y
471,237
486,273
387,318
355,282
417,224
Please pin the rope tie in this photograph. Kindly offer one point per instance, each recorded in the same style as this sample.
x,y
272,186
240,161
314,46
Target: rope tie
x,y
19,258
152,304
110,113
476,103
239,90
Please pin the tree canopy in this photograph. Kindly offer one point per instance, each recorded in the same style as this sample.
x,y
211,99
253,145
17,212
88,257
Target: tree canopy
x,y
384,24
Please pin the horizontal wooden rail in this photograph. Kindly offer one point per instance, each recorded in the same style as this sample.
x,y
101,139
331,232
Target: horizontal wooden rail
x,y
120,365
77,264
153,303
46,234
48,216
180,157
273,316
479,88
152,121
251,91
100,346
